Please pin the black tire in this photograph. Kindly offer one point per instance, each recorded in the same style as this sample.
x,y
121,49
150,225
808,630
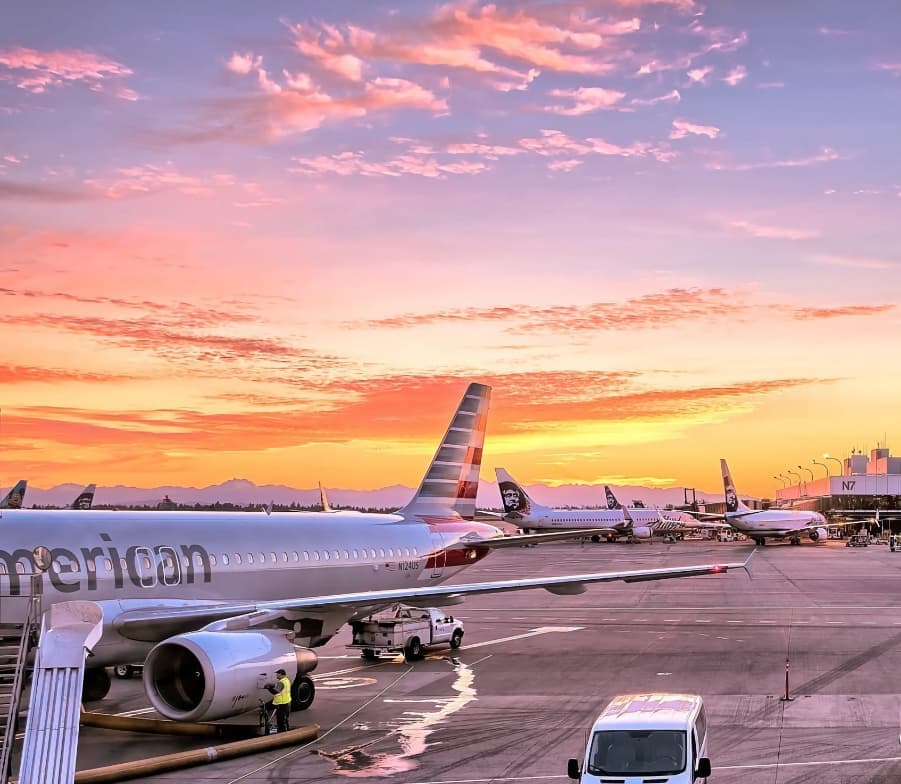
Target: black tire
x,y
303,692
123,671
456,639
369,654
413,649
96,684
596,539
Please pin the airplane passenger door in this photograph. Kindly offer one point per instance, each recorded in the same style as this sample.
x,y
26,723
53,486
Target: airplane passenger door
x,y
439,556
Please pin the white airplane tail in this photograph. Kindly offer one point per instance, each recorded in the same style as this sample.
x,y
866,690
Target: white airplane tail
x,y
612,503
323,499
514,496
15,497
733,503
450,485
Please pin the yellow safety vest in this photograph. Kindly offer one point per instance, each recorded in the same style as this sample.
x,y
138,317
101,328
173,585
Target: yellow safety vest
x,y
284,696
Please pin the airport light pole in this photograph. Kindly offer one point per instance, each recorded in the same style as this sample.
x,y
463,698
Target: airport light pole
x,y
795,473
802,468
823,465
781,478
841,467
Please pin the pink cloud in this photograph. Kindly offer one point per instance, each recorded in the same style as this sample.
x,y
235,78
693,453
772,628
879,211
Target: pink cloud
x,y
856,262
673,96
324,46
553,143
771,232
699,75
585,100
893,68
490,151
35,71
682,128
243,64
347,164
736,75
566,165
825,155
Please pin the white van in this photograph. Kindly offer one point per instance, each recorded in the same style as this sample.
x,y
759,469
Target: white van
x,y
646,736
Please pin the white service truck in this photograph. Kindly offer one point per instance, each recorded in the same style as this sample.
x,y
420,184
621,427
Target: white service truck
x,y
407,630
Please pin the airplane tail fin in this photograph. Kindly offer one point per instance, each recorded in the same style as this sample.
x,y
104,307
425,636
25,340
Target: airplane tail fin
x,y
514,496
733,503
15,497
85,499
450,485
612,503
323,499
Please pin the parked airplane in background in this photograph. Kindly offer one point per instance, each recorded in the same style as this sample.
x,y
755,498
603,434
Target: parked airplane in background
x,y
15,497
85,499
519,508
212,599
658,518
761,525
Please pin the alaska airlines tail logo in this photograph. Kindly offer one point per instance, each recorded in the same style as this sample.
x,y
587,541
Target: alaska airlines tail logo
x,y
612,503
514,500
731,495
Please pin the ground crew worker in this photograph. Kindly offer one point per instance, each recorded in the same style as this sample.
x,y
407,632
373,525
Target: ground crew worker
x,y
282,699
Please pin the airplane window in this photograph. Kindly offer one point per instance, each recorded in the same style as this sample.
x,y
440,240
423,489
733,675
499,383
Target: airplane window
x,y
347,555
382,552
325,555
224,559
237,558
406,552
212,560
373,553
295,556
184,560
274,557
316,555
250,558
147,563
108,564
263,559
285,557
306,555
356,554
198,561
415,551
2,568
337,555
91,566
123,564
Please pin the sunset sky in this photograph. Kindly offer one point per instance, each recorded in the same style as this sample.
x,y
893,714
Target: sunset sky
x,y
276,240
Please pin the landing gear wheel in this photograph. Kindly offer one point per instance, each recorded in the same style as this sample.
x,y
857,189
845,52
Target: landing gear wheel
x,y
123,671
413,650
369,654
796,541
456,638
303,692
96,684
759,541
595,539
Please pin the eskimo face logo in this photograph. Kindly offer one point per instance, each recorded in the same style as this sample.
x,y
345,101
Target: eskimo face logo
x,y
512,498
731,496
611,500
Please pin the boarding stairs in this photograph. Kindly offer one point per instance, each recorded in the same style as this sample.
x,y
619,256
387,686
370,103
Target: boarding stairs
x,y
69,630
19,616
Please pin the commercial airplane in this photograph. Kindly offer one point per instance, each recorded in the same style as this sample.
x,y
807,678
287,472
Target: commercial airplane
x,y
519,508
214,599
761,525
85,499
657,522
15,497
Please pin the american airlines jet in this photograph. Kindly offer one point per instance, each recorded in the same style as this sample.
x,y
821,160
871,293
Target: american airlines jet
x,y
209,600
761,525
519,508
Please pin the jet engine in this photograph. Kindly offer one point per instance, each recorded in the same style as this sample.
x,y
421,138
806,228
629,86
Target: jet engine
x,y
819,533
207,675
642,532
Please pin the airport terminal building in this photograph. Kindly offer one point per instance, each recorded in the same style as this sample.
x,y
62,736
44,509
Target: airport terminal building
x,y
867,483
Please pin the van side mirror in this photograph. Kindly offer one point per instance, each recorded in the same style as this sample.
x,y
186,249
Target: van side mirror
x,y
703,770
572,769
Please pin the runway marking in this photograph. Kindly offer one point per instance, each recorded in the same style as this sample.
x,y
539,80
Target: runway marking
x,y
532,633
734,621
766,622
812,763
672,620
702,620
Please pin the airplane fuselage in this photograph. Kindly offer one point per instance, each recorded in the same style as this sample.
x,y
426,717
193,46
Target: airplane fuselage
x,y
774,522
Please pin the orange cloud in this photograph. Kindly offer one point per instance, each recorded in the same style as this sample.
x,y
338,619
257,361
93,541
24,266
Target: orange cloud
x,y
805,314
21,374
35,71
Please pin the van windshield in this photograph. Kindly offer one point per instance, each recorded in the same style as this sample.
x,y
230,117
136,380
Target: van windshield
x,y
641,752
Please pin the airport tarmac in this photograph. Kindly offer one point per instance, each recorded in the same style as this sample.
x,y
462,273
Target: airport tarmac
x,y
515,702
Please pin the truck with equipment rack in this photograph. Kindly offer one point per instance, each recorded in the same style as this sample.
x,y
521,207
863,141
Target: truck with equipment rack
x,y
407,630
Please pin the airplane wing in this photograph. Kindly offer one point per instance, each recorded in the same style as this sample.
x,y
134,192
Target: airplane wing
x,y
155,624
521,540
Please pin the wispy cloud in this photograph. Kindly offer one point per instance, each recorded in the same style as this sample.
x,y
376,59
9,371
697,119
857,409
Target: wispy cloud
x,y
825,155
673,96
35,71
736,75
855,262
350,163
808,314
683,128
771,232
585,100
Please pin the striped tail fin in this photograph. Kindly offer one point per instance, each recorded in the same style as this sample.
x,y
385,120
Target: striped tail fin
x,y
15,497
450,485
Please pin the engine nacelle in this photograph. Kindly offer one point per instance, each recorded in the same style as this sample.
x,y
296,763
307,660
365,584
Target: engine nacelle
x,y
819,533
213,674
642,532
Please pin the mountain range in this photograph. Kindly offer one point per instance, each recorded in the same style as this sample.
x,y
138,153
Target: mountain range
x,y
243,492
